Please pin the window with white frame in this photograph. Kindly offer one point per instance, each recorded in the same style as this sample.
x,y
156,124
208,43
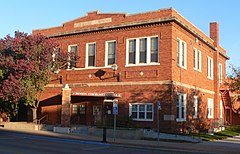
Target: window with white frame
x,y
141,111
91,55
82,109
181,107
210,68
220,72
74,109
197,60
210,108
142,50
73,50
221,108
181,53
195,107
110,53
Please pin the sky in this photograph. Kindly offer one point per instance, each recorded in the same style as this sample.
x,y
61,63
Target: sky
x,y
27,15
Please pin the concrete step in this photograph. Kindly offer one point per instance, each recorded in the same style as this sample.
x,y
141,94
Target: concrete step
x,y
21,125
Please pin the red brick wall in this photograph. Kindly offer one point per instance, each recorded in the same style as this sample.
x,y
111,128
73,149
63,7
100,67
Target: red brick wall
x,y
129,87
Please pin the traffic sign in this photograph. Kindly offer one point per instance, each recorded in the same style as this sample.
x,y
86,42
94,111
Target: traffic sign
x,y
159,105
115,107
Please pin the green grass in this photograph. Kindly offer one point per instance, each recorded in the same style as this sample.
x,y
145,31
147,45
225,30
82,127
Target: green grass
x,y
230,131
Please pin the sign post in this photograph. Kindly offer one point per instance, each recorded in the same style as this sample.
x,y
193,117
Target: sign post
x,y
158,122
115,113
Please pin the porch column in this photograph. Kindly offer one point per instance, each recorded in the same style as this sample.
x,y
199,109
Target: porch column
x,y
66,100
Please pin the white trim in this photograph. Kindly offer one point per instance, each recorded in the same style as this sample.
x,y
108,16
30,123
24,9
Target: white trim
x,y
197,59
145,111
167,82
220,72
210,108
137,54
69,50
87,45
182,104
106,52
179,48
210,68
134,65
195,107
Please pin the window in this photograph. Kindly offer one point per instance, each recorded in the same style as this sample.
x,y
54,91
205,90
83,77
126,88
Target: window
x,y
195,107
221,109
181,107
210,108
154,49
132,51
74,109
142,51
73,50
210,68
91,55
82,109
141,111
110,53
197,60
220,71
181,54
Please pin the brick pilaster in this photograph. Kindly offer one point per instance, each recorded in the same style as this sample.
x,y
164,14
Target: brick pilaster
x,y
66,100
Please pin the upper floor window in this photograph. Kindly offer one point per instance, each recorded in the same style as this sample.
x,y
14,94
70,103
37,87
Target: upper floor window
x,y
110,53
141,111
210,108
73,50
181,53
91,55
142,50
220,72
197,60
210,68
181,107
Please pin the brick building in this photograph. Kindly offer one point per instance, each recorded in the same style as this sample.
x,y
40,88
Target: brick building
x,y
160,56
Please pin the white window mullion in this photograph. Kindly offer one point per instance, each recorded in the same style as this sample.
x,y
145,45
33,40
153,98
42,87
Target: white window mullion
x,y
137,51
195,106
106,53
127,53
200,61
185,55
148,50
86,64
184,106
180,53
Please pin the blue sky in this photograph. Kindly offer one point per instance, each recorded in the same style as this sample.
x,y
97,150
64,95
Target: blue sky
x,y
26,15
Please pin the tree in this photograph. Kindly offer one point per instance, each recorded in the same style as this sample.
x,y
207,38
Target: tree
x,y
26,65
233,84
234,79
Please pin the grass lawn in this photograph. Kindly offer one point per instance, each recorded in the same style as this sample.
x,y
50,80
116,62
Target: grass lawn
x,y
230,131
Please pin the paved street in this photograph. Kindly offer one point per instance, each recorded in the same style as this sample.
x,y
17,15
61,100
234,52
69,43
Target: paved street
x,y
28,143
18,143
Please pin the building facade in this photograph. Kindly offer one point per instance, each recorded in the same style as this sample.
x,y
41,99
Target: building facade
x,y
137,60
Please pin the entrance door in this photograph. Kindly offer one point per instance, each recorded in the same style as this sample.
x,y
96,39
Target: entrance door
x,y
82,113
97,114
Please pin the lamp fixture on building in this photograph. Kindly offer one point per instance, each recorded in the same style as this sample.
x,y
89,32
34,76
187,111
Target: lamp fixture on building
x,y
100,73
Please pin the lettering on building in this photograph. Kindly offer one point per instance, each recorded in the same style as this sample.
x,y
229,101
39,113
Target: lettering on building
x,y
93,22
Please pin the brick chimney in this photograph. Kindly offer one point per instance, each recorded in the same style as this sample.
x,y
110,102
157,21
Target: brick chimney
x,y
214,33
